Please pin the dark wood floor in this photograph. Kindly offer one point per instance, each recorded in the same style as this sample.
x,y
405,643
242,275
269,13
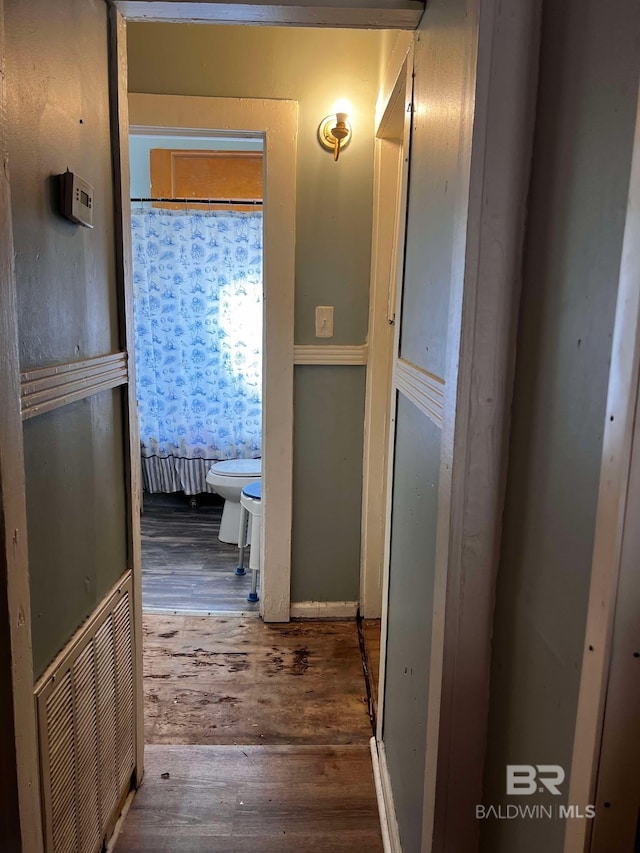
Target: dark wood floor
x,y
260,799
232,680
257,738
185,567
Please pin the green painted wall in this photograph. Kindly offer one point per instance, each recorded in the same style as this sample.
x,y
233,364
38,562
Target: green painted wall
x,y
315,68
326,541
589,71
334,210
76,516
58,117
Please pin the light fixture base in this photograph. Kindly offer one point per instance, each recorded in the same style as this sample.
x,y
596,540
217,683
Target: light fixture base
x,y
326,137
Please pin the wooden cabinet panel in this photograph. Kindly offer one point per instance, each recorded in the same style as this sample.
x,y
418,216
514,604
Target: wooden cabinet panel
x,y
205,174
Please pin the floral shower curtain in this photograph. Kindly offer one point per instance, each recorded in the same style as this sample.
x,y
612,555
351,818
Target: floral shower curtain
x,y
198,342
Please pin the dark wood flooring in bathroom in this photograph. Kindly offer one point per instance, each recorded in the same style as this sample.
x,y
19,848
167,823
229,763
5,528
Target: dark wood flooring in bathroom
x,y
184,565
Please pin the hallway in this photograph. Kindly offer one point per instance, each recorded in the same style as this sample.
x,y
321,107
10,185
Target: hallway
x,y
257,739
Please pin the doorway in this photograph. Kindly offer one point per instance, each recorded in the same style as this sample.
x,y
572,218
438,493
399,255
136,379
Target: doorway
x,y
173,636
196,214
139,764
248,122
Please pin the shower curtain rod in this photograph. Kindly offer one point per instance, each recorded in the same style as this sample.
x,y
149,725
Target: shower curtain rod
x,y
230,201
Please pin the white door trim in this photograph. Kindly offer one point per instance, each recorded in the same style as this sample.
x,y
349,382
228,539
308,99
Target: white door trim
x,y
19,754
118,83
406,68
389,216
498,113
277,123
610,518
384,796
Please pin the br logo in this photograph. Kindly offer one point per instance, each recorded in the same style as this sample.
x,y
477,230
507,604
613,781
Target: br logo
x,y
527,779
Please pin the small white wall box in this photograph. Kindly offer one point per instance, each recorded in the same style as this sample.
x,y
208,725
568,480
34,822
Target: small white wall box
x,y
76,197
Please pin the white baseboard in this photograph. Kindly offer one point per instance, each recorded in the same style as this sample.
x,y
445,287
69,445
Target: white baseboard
x,y
324,609
384,795
111,844
225,614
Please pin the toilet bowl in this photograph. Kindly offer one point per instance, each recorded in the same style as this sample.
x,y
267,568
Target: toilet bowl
x,y
228,479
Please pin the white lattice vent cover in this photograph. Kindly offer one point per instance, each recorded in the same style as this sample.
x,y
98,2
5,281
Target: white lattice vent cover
x,y
85,705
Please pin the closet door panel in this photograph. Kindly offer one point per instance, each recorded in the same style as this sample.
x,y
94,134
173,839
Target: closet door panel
x,y
76,510
58,119
411,596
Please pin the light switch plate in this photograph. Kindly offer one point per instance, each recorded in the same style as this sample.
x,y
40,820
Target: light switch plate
x,y
324,321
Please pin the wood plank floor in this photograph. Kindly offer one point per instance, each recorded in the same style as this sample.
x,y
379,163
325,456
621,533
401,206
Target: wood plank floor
x,y
282,713
185,567
238,680
262,799
257,738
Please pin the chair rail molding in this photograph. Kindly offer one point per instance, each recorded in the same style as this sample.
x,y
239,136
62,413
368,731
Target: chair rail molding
x,y
424,390
330,354
47,388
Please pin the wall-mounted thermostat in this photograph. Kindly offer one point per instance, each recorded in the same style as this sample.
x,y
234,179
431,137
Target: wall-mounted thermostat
x,y
77,199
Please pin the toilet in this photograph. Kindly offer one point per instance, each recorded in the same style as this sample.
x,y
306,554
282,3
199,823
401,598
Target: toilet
x,y
228,479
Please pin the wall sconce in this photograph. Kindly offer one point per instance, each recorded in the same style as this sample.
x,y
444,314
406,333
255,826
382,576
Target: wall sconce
x,y
335,131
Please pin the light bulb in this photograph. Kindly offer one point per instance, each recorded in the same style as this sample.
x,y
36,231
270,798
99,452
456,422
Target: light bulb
x,y
342,105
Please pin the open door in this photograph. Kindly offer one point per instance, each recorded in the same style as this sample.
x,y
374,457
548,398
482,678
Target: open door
x,y
471,129
68,436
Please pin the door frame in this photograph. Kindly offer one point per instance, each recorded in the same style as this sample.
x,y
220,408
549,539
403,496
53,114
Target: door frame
x,y
276,122
19,763
354,14
118,77
471,407
615,556
390,183
496,143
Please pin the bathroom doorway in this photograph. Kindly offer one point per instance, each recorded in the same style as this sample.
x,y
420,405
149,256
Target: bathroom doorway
x,y
197,242
206,347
